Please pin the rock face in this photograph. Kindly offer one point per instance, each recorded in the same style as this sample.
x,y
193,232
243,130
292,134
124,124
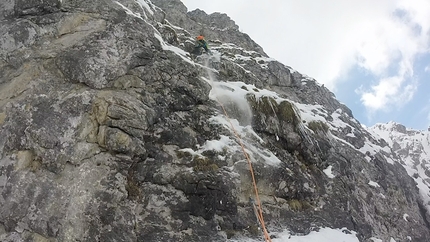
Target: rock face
x,y
413,148
110,131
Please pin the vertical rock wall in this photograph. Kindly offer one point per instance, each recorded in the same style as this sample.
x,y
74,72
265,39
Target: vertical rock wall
x,y
111,131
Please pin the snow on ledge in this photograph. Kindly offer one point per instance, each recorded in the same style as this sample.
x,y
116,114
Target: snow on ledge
x,y
373,184
323,235
181,53
245,133
329,172
145,5
128,11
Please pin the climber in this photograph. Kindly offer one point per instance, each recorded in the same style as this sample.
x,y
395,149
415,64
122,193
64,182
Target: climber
x,y
201,43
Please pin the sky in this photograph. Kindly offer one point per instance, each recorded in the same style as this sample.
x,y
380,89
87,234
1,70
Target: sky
x,y
373,55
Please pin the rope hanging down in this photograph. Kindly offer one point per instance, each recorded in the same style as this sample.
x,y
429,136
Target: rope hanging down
x,y
259,211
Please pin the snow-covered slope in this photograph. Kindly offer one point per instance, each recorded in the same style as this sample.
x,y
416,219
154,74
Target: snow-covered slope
x,y
412,148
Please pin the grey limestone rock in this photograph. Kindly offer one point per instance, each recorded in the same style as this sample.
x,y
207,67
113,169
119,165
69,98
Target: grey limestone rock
x,y
110,130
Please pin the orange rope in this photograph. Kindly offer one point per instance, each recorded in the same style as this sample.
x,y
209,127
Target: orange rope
x,y
254,183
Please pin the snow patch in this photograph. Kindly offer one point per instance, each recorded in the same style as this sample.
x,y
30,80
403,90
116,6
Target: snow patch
x,y
248,138
183,54
311,112
329,172
307,79
217,145
128,11
144,5
190,151
373,184
237,92
322,235
414,151
339,124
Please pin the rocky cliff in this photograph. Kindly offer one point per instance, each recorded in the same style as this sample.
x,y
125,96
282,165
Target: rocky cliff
x,y
412,147
111,131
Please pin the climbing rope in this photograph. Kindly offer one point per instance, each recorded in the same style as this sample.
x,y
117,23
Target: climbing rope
x,y
259,211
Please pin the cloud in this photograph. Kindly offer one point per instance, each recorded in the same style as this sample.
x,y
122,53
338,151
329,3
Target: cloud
x,y
388,91
426,111
397,40
327,39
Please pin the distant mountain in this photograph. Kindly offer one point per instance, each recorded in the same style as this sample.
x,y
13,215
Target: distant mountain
x,y
412,148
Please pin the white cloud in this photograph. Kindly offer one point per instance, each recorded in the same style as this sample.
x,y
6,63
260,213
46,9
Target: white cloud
x,y
388,91
326,39
426,110
402,36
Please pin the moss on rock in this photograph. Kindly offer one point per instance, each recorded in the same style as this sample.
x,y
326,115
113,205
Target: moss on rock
x,y
204,164
299,205
317,126
286,112
270,107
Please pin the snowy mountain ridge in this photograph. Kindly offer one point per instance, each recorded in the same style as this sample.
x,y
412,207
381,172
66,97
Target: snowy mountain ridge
x,y
412,148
